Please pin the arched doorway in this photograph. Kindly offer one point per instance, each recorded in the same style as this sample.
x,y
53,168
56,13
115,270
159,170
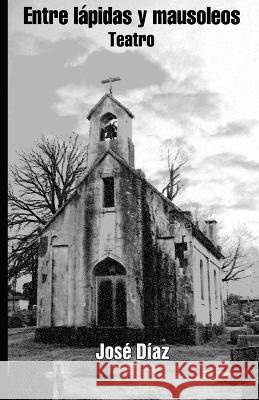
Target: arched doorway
x,y
111,301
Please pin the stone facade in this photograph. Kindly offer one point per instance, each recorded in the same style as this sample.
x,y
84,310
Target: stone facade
x,y
119,260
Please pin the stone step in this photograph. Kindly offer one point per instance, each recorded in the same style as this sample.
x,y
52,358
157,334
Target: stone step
x,y
234,334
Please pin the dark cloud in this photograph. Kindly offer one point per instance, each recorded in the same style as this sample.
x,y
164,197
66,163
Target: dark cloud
x,y
135,69
236,128
32,85
231,160
34,80
182,105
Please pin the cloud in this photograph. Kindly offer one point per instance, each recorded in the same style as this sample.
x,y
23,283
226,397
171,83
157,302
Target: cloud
x,y
151,94
247,187
32,90
185,104
182,101
193,86
246,195
74,99
100,64
24,45
232,160
192,205
246,203
220,207
236,128
187,150
145,72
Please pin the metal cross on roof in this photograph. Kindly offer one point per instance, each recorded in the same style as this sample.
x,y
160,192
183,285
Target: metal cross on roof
x,y
110,80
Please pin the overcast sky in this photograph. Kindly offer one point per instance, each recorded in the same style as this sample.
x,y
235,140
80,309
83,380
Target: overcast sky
x,y
197,88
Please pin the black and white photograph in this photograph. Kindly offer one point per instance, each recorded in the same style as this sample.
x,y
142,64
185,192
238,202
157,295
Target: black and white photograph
x,y
133,194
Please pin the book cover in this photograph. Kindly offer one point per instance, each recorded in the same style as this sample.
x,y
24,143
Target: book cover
x,y
133,194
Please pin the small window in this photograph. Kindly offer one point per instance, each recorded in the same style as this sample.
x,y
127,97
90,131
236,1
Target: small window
x,y
108,192
216,287
202,279
109,127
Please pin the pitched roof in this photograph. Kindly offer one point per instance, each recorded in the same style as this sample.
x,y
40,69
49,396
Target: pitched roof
x,y
195,231
113,99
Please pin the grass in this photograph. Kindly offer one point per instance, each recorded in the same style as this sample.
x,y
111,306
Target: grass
x,y
23,347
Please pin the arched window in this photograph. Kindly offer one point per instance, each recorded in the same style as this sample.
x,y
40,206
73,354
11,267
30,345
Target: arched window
x,y
202,279
109,127
216,287
109,267
111,294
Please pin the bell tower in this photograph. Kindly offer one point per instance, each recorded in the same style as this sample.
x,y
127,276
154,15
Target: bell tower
x,y
110,128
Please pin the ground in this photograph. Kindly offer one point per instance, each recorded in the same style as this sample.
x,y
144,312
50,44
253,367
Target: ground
x,y
23,347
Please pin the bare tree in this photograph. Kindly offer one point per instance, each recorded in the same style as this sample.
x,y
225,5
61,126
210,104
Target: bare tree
x,y
200,215
40,185
175,165
239,254
238,263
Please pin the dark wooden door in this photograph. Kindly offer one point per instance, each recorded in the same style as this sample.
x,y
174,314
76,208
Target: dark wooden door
x,y
111,301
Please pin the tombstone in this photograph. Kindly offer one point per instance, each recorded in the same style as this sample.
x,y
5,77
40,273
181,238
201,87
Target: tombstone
x,y
235,334
253,327
247,348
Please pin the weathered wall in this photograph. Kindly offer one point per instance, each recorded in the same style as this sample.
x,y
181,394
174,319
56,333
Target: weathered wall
x,y
93,233
168,289
59,233
139,232
206,311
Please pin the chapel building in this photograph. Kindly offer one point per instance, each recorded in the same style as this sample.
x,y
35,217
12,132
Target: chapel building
x,y
119,261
